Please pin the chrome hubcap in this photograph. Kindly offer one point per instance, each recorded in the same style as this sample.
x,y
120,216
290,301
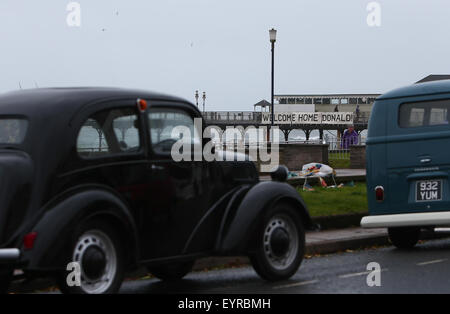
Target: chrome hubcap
x,y
280,241
97,258
93,262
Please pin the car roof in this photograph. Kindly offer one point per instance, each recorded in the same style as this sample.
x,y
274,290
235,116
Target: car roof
x,y
427,88
68,99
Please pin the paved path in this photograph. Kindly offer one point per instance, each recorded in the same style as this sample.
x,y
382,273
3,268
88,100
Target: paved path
x,y
350,172
319,237
330,241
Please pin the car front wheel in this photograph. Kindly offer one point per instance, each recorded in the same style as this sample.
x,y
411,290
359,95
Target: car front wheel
x,y
280,244
98,253
404,237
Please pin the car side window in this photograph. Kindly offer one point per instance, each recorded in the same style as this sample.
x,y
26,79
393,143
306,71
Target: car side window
x,y
167,126
427,113
109,132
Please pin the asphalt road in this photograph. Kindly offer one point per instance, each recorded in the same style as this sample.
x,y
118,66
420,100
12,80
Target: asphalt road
x,y
425,269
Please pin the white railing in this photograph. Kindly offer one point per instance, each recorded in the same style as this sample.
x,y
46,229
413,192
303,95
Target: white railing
x,y
339,148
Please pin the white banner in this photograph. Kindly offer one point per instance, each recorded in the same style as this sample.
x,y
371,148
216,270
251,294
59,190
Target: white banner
x,y
308,118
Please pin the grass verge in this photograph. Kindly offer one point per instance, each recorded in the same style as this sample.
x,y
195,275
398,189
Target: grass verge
x,y
339,161
335,201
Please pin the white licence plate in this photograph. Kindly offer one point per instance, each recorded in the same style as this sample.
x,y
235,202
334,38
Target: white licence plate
x,y
428,190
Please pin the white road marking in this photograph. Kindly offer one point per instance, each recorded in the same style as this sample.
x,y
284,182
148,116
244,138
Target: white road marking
x,y
359,274
430,262
296,284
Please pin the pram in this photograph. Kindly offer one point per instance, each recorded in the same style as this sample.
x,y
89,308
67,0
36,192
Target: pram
x,y
317,170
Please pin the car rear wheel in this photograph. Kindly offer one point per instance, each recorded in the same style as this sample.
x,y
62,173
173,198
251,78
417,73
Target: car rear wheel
x,y
404,237
99,254
171,272
280,244
5,280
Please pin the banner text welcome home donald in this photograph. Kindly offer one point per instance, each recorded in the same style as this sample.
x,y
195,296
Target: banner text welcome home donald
x,y
308,118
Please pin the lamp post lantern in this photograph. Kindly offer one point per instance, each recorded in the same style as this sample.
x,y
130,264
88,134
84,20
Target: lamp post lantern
x,y
273,39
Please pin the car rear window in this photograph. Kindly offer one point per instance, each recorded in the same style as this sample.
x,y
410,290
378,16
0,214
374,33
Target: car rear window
x,y
12,130
424,113
109,132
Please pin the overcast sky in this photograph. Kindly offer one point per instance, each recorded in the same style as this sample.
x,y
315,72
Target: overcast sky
x,y
222,46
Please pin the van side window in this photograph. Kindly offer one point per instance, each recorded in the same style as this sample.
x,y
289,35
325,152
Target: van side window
x,y
427,113
109,132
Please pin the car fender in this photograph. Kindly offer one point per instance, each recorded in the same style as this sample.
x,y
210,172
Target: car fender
x,y
238,232
56,226
219,208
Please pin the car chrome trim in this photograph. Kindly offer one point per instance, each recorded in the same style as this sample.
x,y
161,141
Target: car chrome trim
x,y
406,220
9,255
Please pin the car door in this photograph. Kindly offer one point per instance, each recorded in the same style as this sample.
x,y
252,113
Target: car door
x,y
108,150
418,155
177,193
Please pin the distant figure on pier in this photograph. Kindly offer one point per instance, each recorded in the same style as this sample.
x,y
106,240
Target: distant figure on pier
x,y
350,137
336,109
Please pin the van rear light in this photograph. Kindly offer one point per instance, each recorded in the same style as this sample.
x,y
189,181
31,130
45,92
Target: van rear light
x,y
28,240
379,193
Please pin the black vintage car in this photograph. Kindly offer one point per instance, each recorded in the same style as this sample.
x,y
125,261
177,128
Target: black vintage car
x,y
86,176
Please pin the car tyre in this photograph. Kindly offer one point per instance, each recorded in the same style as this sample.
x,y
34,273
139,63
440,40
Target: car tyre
x,y
280,243
172,271
99,253
404,237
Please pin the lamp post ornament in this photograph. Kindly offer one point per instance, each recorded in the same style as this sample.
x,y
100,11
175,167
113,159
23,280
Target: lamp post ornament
x,y
204,99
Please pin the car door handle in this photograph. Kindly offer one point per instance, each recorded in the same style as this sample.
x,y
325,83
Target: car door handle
x,y
155,167
425,160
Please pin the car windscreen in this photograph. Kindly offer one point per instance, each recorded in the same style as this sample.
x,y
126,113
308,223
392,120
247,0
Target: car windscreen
x,y
12,130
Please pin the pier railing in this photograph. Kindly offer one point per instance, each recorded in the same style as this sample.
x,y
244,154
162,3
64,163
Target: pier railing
x,y
233,116
253,117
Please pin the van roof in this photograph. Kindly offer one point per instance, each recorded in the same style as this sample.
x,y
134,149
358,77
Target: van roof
x,y
427,88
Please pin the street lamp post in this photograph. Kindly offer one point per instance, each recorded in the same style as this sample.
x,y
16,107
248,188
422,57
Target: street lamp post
x,y
204,99
273,38
196,97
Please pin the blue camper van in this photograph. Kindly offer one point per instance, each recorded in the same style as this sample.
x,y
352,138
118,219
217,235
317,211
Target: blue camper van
x,y
408,161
